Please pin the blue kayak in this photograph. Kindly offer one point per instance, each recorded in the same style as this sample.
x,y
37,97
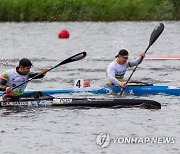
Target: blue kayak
x,y
135,90
148,89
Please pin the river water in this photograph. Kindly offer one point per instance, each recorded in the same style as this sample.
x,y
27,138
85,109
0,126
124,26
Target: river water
x,y
64,130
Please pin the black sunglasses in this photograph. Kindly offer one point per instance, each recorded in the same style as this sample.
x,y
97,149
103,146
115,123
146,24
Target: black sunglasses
x,y
125,57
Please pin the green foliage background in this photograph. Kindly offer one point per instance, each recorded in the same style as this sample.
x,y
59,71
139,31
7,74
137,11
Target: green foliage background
x,y
89,10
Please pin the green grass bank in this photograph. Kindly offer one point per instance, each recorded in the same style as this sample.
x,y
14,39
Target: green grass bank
x,y
89,10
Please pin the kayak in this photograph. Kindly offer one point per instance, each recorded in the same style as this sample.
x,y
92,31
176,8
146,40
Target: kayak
x,y
83,102
137,90
148,90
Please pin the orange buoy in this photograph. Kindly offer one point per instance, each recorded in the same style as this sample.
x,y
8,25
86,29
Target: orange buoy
x,y
63,34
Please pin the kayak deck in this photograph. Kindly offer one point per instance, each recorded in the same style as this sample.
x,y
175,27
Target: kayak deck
x,y
135,90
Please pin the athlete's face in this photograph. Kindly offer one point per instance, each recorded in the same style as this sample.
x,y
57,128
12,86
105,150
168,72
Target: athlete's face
x,y
122,59
24,70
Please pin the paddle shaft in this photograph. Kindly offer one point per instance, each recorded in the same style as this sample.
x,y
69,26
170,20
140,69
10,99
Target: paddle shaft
x,y
154,35
136,67
76,57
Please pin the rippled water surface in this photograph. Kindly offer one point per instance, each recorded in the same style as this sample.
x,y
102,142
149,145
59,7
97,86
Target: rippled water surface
x,y
68,130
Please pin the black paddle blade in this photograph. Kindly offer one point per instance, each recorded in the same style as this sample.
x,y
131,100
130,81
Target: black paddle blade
x,y
76,57
156,33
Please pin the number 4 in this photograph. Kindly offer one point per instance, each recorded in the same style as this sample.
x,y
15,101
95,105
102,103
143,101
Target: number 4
x,y
78,83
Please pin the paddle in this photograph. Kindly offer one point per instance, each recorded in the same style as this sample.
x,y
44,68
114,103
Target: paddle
x,y
154,35
76,57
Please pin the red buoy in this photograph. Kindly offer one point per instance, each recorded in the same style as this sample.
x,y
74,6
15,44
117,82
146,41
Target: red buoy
x,y
86,84
63,34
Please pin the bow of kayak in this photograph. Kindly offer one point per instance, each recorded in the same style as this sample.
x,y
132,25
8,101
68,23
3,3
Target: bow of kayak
x,y
148,90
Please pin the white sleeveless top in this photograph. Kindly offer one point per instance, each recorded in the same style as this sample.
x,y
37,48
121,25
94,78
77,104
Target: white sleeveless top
x,y
13,79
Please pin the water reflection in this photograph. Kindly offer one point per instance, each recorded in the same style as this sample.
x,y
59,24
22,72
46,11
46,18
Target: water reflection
x,y
4,112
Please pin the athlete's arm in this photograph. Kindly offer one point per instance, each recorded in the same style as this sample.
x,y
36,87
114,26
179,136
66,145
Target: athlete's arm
x,y
137,61
2,84
41,74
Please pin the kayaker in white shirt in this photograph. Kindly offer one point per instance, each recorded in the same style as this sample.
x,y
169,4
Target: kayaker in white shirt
x,y
117,68
14,77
